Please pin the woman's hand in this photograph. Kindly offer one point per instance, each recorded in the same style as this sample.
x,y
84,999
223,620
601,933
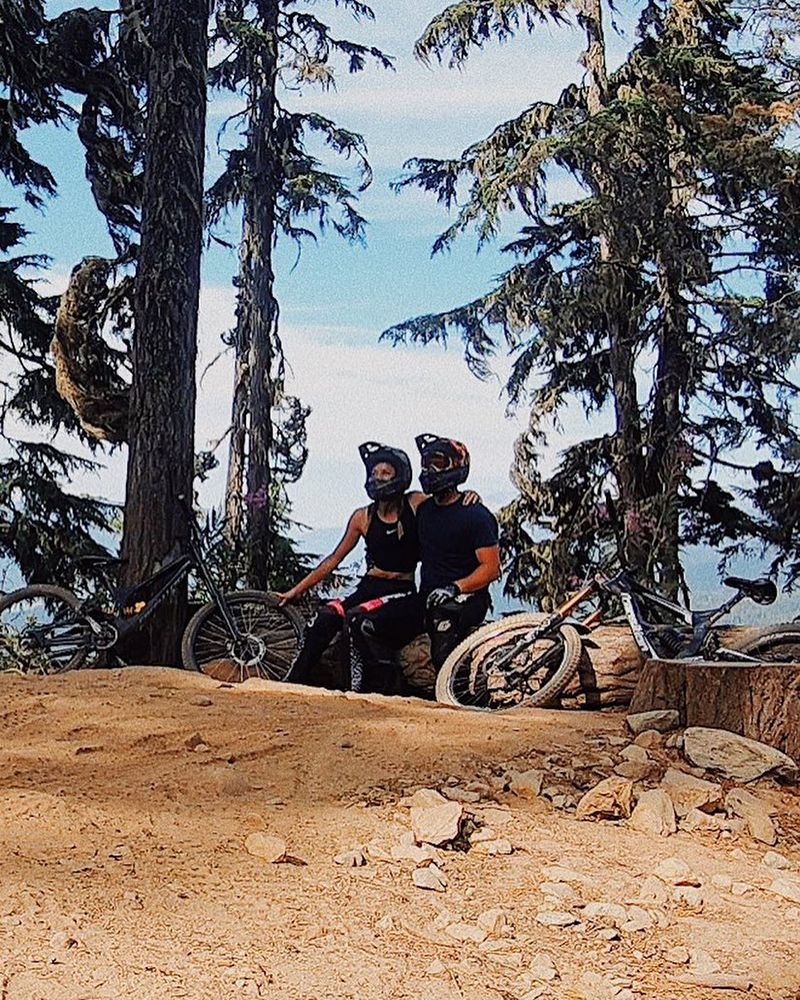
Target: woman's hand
x,y
471,497
288,597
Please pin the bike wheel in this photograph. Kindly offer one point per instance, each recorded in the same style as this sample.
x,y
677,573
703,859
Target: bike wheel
x,y
40,631
467,677
779,644
269,638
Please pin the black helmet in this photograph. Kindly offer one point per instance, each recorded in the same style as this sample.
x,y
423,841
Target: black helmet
x,y
371,454
445,463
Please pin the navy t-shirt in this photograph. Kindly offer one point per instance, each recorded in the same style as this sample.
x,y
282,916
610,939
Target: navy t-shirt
x,y
449,535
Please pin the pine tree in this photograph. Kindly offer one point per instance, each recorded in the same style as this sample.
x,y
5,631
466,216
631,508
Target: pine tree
x,y
283,190
666,295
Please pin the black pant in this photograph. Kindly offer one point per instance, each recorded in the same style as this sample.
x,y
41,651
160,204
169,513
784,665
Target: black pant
x,y
449,623
373,630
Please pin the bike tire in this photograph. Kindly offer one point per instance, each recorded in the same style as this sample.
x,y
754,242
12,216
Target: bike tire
x,y
567,651
49,593
273,633
778,644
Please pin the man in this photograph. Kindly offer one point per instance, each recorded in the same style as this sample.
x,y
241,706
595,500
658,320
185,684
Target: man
x,y
459,550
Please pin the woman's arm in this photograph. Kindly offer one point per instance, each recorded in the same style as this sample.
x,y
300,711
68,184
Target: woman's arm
x,y
356,528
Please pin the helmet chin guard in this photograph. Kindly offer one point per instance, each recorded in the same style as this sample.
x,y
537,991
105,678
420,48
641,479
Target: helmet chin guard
x,y
445,463
372,453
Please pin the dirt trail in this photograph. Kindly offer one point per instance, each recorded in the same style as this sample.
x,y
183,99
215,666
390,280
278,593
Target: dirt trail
x,y
123,870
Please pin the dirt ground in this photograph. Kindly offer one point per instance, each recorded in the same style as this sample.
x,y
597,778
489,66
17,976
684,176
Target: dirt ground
x,y
127,796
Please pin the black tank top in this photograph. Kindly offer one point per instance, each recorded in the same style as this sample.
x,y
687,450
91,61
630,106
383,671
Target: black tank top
x,y
392,547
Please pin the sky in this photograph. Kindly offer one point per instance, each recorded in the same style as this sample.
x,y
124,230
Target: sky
x,y
336,299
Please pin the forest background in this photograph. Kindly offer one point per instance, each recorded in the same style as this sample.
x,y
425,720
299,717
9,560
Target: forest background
x,y
336,297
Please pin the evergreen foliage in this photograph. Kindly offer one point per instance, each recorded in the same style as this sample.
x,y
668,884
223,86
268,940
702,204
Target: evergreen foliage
x,y
666,293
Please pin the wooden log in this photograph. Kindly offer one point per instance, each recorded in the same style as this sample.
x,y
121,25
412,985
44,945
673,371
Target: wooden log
x,y
760,701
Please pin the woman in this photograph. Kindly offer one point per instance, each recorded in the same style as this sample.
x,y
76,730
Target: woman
x,y
375,617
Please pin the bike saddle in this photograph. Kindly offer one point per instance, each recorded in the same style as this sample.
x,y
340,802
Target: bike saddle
x,y
761,591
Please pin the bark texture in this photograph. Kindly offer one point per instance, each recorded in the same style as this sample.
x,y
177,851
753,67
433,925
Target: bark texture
x,y
761,702
161,455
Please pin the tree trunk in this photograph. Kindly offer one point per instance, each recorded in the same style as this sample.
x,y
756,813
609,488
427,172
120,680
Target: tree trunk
x,y
761,701
234,485
257,314
161,454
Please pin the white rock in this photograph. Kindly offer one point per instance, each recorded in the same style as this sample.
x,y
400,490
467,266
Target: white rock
x,y
663,721
755,812
696,821
535,993
606,913
491,816
635,753
610,799
262,845
638,920
689,895
527,784
466,932
688,792
702,963
458,794
436,968
722,882
413,853
351,859
652,890
494,921
672,870
674,741
740,888
608,934
654,814
423,797
735,756
543,967
556,873
677,955
774,860
436,824
385,923
498,846
787,887
559,890
556,918
429,878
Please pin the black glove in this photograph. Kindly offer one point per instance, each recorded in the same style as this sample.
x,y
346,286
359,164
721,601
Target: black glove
x,y
442,595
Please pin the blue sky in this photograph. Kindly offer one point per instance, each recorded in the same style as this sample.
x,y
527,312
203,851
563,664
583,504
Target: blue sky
x,y
338,298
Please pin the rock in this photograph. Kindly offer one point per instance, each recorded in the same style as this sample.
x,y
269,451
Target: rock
x,y
634,753
432,878
722,882
674,871
484,833
436,824
436,968
556,918
688,792
755,811
652,890
385,923
494,921
774,860
425,797
606,913
263,845
610,799
714,981
462,931
526,784
736,756
650,739
677,955
195,740
543,967
740,888
201,700
674,741
638,920
608,934
457,794
702,963
689,895
491,816
555,873
787,887
654,814
559,890
637,770
413,853
696,821
499,846
351,859
662,721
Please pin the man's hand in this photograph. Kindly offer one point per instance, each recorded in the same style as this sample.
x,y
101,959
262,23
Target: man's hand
x,y
442,595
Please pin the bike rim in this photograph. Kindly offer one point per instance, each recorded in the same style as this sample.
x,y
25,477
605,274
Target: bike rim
x,y
41,634
474,685
264,647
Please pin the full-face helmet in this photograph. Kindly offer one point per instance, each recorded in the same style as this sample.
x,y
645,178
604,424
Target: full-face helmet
x,y
373,454
445,463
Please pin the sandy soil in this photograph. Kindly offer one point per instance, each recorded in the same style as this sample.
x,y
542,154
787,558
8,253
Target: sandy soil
x,y
124,871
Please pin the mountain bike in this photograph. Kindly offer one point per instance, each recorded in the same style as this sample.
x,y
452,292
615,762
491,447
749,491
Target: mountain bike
x,y
47,629
529,659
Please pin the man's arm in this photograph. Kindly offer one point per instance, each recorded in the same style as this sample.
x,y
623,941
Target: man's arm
x,y
486,572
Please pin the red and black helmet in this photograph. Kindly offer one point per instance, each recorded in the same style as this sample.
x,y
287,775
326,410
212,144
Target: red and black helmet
x,y
372,454
445,463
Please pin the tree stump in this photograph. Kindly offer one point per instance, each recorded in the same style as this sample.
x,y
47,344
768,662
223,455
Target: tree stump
x,y
760,701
